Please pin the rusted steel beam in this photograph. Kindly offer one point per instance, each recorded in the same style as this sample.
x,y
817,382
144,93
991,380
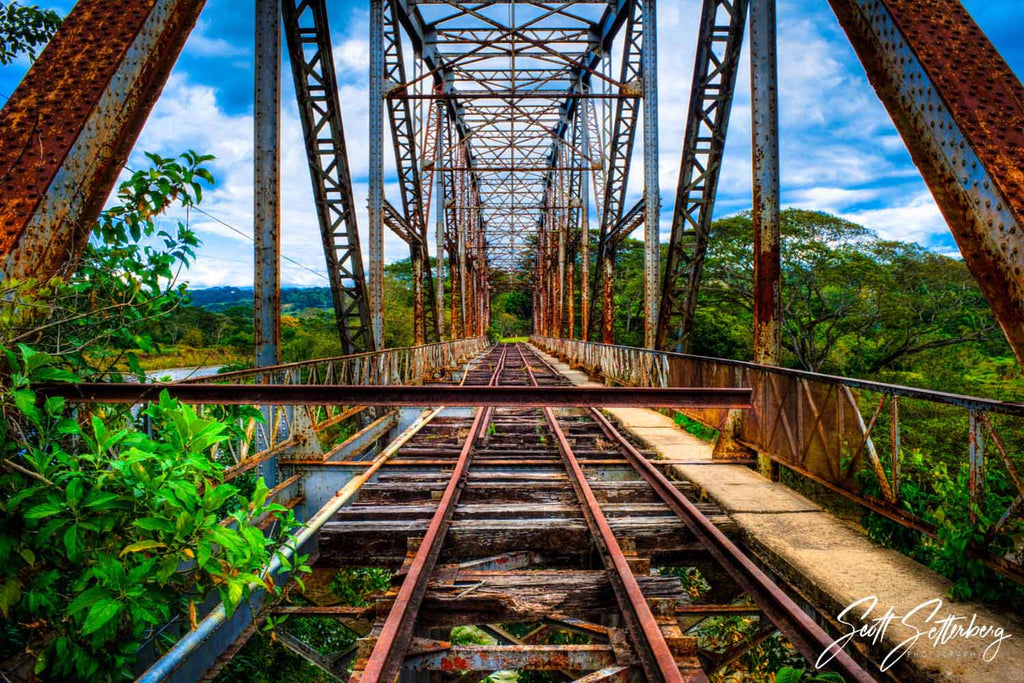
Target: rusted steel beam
x,y
400,395
267,185
67,131
489,658
960,110
802,631
764,108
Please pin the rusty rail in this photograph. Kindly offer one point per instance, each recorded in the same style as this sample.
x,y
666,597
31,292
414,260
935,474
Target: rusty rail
x,y
385,660
654,653
803,632
825,428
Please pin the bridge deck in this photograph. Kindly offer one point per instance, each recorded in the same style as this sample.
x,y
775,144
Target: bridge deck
x,y
828,561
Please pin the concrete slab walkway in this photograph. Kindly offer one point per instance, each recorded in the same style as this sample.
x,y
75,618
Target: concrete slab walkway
x,y
832,565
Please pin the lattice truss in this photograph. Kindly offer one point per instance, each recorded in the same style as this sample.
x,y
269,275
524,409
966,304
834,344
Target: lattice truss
x,y
514,102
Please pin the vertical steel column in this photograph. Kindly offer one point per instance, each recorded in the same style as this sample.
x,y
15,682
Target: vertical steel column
x,y
652,190
375,203
607,267
439,229
586,110
764,110
267,183
765,134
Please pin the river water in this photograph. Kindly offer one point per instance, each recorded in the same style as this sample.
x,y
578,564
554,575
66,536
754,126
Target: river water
x,y
177,374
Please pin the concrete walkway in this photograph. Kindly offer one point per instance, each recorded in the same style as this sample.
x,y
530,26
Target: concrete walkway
x,y
832,564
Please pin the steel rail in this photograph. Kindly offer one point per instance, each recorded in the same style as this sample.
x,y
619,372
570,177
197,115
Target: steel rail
x,y
655,655
388,652
803,632
398,395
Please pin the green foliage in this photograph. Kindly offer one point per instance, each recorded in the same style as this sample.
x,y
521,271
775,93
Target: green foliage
x,y
355,586
110,531
92,317
789,675
854,304
24,29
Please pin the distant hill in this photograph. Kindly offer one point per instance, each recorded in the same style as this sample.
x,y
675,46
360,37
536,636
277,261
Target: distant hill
x,y
217,299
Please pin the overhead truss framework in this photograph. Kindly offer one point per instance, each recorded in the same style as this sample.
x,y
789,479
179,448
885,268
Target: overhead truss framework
x,y
513,105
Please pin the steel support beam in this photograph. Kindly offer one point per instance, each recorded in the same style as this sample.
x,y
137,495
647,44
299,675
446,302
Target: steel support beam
x,y
764,108
375,201
620,154
960,111
652,189
316,86
714,81
398,395
267,184
53,195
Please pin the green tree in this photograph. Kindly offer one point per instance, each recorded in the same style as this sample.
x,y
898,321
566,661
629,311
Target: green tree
x,y
851,303
24,29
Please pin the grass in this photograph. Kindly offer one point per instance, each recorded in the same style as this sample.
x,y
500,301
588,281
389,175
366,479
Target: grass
x,y
514,340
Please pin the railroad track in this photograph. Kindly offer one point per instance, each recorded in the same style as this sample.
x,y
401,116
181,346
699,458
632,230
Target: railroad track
x,y
546,517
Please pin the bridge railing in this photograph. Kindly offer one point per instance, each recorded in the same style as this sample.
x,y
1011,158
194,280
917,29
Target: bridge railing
x,y
291,431
855,437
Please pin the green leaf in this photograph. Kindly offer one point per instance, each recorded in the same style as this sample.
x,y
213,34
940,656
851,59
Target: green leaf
x,y
101,500
44,510
138,546
10,593
86,599
155,524
25,400
99,614
788,675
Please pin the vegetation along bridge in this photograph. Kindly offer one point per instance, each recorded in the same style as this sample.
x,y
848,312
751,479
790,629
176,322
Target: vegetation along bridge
x,y
464,507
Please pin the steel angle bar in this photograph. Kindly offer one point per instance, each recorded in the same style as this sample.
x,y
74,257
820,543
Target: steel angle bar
x,y
719,41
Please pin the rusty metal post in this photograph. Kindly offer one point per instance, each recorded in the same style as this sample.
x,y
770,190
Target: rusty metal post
x,y
376,172
80,109
570,296
958,107
652,190
439,229
765,147
585,233
608,296
419,321
267,184
765,133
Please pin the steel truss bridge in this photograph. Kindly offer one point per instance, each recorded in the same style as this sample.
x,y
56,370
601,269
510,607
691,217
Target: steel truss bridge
x,y
514,128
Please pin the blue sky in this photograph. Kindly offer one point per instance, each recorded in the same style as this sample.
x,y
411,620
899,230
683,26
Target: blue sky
x,y
839,150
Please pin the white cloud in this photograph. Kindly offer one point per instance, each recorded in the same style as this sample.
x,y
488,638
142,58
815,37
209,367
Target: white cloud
x,y
917,220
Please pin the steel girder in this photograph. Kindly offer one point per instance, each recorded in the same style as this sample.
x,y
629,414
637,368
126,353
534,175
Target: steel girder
x,y
620,154
719,41
960,111
309,49
514,74
53,196
407,162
